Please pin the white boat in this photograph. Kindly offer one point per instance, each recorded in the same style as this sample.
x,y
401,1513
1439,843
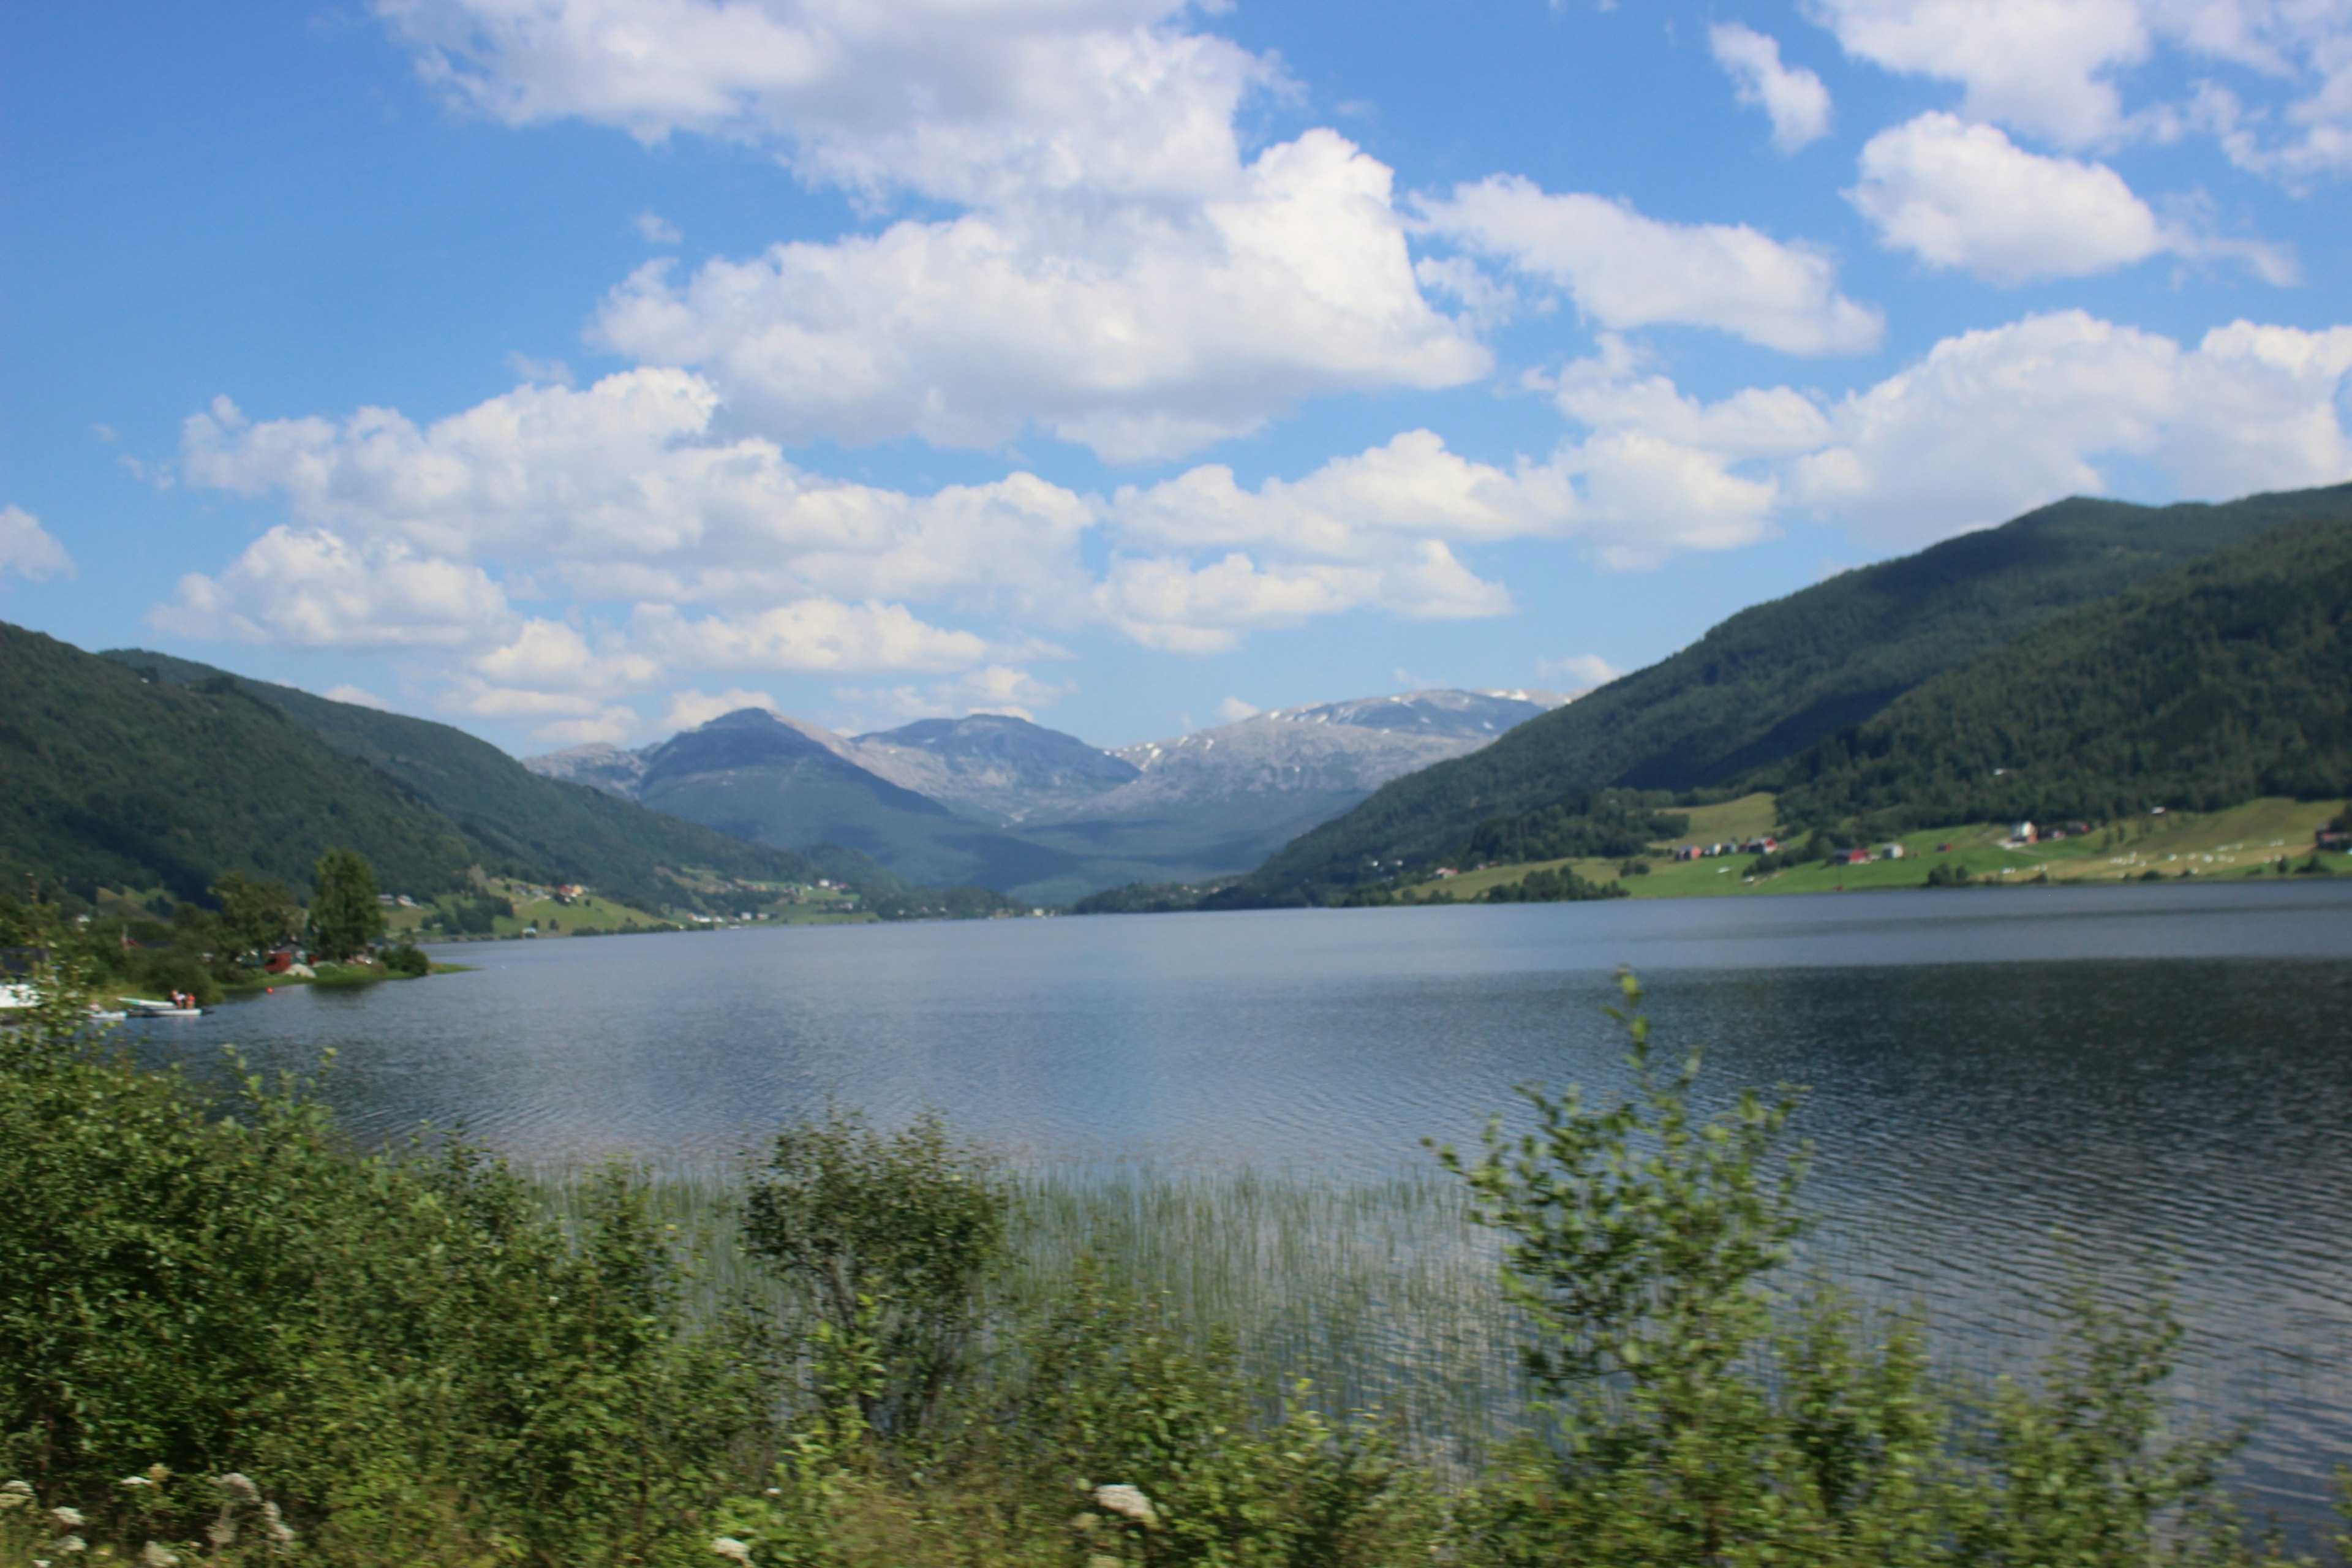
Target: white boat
x,y
146,1007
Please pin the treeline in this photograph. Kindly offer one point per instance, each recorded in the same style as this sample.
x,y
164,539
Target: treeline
x,y
942,904
1149,898
227,1338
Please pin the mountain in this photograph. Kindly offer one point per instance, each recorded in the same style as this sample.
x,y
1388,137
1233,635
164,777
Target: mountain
x,y
993,767
1774,678
758,777
2224,681
1218,801
511,820
110,778
1067,819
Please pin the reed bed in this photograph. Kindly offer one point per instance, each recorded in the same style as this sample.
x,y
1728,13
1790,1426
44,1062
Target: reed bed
x,y
1383,1293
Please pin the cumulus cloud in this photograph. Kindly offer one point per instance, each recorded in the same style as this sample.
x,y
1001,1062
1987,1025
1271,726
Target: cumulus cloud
x,y
1795,99
28,549
1626,270
656,229
1120,277
304,587
1962,195
1142,333
973,102
2040,65
2052,67
1991,424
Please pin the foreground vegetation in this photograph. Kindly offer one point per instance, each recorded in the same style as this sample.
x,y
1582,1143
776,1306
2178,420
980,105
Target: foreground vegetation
x,y
227,1337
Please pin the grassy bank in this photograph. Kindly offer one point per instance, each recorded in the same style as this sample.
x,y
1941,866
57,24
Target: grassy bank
x,y
2246,840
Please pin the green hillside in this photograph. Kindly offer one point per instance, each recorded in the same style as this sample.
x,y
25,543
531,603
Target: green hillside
x,y
2225,680
1776,678
109,778
519,823
523,824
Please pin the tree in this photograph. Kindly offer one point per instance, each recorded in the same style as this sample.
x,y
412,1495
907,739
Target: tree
x,y
256,916
344,915
891,1237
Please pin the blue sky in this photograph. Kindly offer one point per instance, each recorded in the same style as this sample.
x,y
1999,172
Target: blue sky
x,y
576,369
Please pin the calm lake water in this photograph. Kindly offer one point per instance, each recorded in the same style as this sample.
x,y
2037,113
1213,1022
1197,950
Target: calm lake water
x,y
2163,1074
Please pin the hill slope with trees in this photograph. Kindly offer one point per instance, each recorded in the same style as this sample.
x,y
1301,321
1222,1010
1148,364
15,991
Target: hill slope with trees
x,y
521,823
1777,678
2224,681
108,778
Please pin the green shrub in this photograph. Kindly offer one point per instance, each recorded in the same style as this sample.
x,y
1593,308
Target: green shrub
x,y
406,959
888,1238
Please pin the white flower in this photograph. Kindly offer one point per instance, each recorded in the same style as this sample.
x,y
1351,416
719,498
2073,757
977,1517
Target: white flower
x,y
1128,1502
68,1543
274,1524
16,1494
237,1487
734,1551
134,1481
222,1532
68,1517
159,1555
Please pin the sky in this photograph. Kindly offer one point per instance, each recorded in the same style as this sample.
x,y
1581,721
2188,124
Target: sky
x,y
579,370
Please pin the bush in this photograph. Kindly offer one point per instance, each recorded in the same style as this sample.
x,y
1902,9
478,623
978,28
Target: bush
x,y
888,1238
406,959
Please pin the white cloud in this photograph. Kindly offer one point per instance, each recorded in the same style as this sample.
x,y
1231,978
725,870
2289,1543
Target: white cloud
x,y
965,100
656,229
1232,711
1962,195
1991,424
2040,65
300,587
357,696
1119,276
992,688
28,549
690,708
1580,671
1626,270
1796,99
1137,331
2052,67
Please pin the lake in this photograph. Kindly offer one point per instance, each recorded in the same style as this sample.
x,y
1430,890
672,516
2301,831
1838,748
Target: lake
x,y
2161,1073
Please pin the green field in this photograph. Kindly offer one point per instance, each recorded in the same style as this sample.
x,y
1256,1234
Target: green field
x,y
2245,840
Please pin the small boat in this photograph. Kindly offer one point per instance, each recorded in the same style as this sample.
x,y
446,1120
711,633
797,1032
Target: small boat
x,y
107,1014
145,1008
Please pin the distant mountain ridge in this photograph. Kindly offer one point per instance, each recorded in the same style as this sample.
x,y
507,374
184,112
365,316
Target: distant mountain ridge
x,y
1009,805
1777,678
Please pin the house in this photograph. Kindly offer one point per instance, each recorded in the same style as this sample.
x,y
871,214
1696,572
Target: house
x,y
2021,834
1764,846
1890,852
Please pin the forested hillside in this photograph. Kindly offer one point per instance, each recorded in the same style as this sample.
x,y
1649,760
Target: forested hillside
x,y
108,777
521,823
1774,678
2227,679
